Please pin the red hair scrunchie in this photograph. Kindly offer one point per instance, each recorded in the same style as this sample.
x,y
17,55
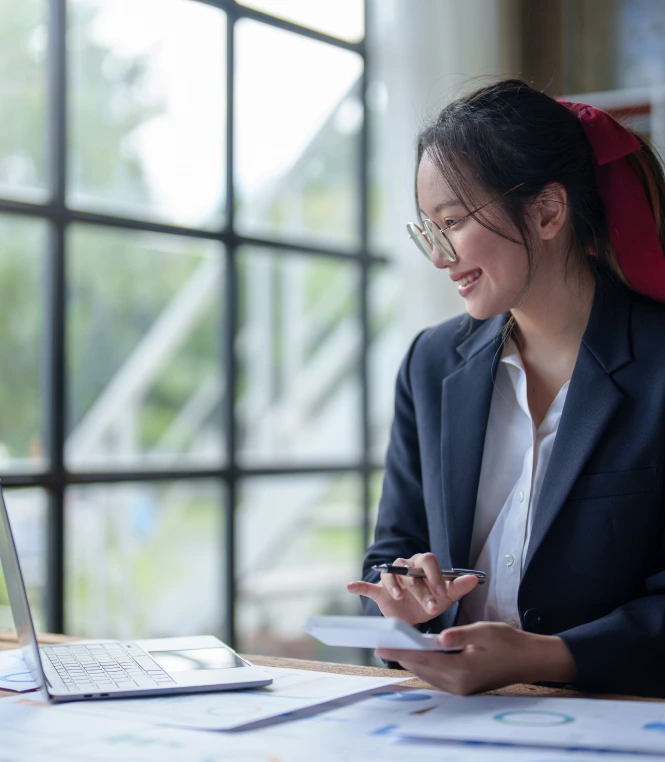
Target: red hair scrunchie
x,y
630,221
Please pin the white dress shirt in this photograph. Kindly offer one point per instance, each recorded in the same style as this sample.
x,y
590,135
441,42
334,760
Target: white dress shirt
x,y
515,459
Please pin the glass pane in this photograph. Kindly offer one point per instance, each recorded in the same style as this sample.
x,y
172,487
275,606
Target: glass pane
x,y
298,346
22,299
297,125
23,100
375,491
148,109
387,349
343,18
391,171
144,560
299,543
143,348
27,513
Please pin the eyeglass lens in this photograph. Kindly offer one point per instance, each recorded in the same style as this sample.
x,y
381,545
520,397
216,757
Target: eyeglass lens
x,y
440,240
418,237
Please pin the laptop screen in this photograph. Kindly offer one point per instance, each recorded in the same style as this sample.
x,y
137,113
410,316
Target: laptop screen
x,y
18,599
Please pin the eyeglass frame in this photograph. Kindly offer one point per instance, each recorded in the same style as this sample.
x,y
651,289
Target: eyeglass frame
x,y
454,257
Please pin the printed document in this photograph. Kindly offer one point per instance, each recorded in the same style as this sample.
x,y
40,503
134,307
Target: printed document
x,y
292,690
626,726
14,673
33,731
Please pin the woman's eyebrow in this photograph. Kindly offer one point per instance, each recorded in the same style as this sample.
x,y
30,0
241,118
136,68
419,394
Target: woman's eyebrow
x,y
443,204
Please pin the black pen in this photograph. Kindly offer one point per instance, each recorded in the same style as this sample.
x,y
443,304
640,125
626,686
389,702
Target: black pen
x,y
414,571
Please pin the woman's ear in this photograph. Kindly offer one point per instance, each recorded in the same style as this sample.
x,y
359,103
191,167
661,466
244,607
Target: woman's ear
x,y
550,211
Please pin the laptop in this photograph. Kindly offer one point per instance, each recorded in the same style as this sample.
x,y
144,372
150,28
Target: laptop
x,y
114,669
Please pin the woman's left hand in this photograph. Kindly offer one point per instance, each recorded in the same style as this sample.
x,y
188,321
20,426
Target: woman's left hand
x,y
494,654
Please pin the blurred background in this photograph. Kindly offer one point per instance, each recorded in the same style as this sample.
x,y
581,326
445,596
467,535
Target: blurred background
x,y
206,287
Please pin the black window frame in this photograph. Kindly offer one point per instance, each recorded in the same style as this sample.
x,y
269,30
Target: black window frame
x,y
56,478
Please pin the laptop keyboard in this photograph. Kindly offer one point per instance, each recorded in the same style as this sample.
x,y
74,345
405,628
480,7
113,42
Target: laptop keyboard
x,y
85,668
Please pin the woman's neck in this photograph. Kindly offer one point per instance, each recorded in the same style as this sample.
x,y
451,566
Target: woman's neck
x,y
552,320
549,329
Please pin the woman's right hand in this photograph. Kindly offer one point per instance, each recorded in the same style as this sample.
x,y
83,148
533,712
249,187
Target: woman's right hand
x,y
411,599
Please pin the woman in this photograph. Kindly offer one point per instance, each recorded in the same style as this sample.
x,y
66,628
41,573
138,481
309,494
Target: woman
x,y
529,437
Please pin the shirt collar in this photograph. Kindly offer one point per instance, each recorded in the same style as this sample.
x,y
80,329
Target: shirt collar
x,y
511,357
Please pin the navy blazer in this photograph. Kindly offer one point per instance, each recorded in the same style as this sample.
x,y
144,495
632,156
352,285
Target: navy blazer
x,y
594,573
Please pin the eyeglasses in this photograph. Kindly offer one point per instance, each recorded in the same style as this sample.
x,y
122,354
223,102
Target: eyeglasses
x,y
434,236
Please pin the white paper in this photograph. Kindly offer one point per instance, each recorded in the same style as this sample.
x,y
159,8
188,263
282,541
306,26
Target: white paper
x,y
14,672
33,731
365,731
292,690
627,726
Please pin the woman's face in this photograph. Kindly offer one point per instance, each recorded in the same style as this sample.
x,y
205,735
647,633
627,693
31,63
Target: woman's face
x,y
490,271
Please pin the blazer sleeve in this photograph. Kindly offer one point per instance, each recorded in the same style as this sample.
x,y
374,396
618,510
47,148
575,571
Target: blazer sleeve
x,y
401,529
624,652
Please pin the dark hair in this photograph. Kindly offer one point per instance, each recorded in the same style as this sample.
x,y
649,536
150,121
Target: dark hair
x,y
509,134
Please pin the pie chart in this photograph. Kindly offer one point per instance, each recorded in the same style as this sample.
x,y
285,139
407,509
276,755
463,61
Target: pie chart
x,y
407,696
17,677
534,718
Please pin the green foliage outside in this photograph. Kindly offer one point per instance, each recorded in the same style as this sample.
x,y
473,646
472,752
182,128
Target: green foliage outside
x,y
22,266
119,284
157,560
23,137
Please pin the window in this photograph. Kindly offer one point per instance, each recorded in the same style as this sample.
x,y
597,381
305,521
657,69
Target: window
x,y
186,436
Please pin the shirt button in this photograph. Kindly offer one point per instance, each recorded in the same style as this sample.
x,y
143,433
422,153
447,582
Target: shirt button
x,y
508,560
520,496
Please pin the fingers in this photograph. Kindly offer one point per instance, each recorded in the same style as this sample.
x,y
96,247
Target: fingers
x,y
399,655
430,591
430,565
375,592
423,595
393,584
420,599
411,660
434,668
476,634
452,590
493,654
458,588
379,592
447,672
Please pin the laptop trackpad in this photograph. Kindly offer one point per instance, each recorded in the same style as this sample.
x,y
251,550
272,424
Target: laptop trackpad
x,y
193,659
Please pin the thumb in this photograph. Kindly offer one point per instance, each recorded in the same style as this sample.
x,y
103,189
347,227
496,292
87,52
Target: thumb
x,y
459,587
458,637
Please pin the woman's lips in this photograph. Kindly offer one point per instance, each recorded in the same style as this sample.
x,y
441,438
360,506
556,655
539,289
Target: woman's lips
x,y
466,282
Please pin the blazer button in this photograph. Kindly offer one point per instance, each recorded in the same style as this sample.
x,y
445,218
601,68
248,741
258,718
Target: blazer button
x,y
532,619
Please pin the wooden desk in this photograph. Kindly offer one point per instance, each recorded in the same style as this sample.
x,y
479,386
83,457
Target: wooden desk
x,y
8,641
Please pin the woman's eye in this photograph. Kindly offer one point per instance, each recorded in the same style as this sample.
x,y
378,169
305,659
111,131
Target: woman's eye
x,y
448,223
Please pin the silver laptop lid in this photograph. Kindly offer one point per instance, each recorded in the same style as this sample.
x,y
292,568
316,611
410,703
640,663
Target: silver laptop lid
x,y
18,599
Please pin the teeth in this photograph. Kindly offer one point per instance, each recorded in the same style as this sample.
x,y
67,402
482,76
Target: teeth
x,y
468,279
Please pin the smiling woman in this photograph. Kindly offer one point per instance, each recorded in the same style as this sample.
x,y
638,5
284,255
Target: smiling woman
x,y
492,266
541,414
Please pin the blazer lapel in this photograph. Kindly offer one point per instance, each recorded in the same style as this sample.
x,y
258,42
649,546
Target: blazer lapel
x,y
591,403
465,405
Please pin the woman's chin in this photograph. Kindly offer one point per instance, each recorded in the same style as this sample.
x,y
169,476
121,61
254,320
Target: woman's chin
x,y
477,311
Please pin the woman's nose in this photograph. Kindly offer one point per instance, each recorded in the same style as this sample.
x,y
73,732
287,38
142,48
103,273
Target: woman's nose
x,y
439,260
